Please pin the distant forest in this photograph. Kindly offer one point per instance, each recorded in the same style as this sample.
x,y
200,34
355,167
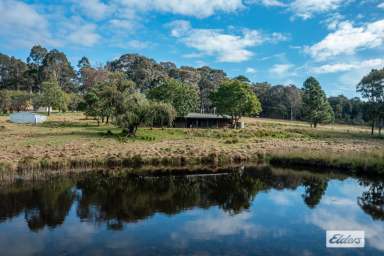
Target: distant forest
x,y
25,78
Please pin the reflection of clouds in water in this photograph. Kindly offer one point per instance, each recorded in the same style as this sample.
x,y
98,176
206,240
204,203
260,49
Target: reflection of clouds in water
x,y
80,231
223,225
16,240
215,226
338,201
114,241
219,225
284,198
350,188
343,213
332,219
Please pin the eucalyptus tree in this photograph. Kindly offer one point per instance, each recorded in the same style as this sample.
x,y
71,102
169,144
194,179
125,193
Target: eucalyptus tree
x,y
235,98
52,96
56,66
371,88
35,63
183,97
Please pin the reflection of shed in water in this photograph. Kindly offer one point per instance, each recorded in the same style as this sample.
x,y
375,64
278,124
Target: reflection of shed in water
x,y
200,120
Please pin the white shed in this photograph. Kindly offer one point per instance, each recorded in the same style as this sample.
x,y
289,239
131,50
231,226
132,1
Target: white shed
x,y
27,118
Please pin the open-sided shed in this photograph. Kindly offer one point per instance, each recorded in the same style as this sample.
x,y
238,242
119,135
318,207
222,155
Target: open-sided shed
x,y
203,120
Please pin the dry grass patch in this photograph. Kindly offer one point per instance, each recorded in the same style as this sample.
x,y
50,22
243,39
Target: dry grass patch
x,y
71,137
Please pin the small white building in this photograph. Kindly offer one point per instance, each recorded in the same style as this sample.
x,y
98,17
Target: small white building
x,y
44,109
27,118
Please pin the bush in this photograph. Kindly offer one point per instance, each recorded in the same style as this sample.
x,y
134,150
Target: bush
x,y
11,101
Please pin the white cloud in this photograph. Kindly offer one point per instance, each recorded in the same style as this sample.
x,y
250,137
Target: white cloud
x,y
225,47
348,39
179,27
342,67
23,26
269,2
84,36
381,5
333,21
282,70
305,9
250,70
196,8
93,8
125,24
278,37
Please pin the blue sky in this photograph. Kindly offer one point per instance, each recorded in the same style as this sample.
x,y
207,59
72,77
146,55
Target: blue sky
x,y
279,41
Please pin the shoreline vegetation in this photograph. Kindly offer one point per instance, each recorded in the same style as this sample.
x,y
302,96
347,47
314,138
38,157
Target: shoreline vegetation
x,y
70,143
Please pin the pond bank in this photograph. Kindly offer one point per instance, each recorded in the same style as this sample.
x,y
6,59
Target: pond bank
x,y
29,168
70,142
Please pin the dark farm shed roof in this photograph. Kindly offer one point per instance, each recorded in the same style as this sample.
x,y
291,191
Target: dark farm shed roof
x,y
206,116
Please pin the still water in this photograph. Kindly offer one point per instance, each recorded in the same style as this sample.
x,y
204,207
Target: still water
x,y
247,212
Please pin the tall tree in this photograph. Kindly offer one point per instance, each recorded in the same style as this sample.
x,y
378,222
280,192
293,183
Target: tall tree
x,y
210,80
35,62
90,77
102,99
236,99
371,88
56,66
12,73
93,104
52,96
84,63
293,98
316,107
145,72
242,78
183,97
283,102
37,55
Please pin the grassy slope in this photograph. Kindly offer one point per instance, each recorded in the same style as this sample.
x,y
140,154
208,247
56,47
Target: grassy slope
x,y
70,136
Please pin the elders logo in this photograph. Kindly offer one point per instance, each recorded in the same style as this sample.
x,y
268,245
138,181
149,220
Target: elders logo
x,y
345,239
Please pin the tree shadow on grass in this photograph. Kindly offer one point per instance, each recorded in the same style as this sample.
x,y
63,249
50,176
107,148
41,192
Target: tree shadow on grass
x,y
66,124
94,133
84,134
334,134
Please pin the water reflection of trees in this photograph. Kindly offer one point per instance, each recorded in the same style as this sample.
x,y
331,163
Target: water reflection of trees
x,y
314,190
118,199
43,205
372,201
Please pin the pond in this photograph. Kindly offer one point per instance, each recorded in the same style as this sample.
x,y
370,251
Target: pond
x,y
250,211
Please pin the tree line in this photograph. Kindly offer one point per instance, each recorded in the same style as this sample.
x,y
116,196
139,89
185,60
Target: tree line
x,y
162,91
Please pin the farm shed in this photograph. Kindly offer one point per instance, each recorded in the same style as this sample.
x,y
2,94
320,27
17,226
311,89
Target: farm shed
x,y
27,118
202,120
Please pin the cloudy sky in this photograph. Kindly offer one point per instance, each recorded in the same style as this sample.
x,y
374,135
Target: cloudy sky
x,y
279,41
